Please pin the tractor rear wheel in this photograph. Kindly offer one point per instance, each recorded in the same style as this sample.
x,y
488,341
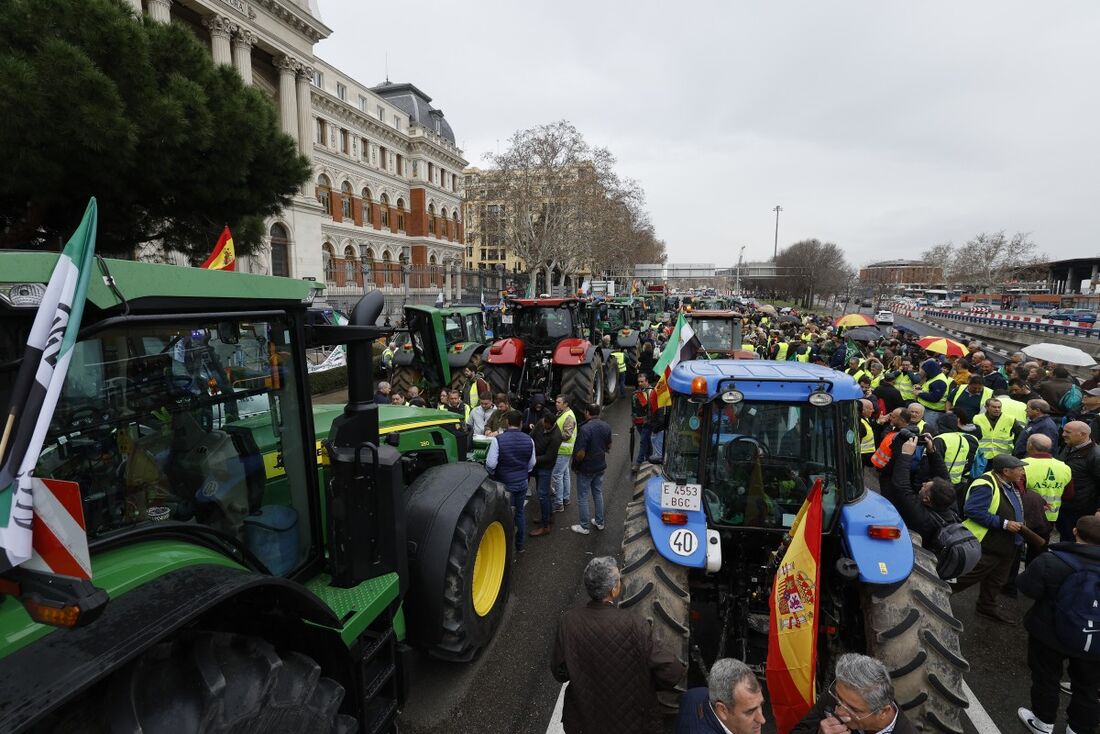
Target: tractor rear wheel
x,y
404,378
479,573
583,384
658,590
222,682
501,378
911,629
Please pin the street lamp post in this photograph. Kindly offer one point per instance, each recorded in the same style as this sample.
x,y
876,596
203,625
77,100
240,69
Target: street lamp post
x,y
775,252
737,284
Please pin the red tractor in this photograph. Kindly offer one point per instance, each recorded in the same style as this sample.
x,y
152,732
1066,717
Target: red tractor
x,y
549,353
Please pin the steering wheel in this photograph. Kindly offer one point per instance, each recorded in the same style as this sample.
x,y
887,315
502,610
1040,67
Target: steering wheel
x,y
744,448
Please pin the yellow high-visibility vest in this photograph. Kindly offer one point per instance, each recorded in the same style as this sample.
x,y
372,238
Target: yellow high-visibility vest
x,y
803,356
996,438
1048,478
986,480
940,404
866,438
1014,409
781,354
620,361
905,387
566,448
956,452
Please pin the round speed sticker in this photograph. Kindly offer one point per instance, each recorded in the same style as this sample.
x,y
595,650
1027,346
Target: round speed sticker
x,y
683,542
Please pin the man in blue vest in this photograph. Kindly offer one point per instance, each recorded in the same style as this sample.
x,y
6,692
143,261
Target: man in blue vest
x,y
510,460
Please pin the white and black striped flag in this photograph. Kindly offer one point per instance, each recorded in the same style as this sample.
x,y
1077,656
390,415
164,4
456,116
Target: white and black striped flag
x,y
38,386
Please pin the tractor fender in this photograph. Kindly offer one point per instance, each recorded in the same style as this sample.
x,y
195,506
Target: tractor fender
x,y
506,351
47,673
436,499
403,357
458,360
685,544
564,352
626,341
879,561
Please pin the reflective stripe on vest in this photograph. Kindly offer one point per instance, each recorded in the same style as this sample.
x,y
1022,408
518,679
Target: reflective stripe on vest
x,y
620,360
1048,478
781,353
956,452
988,480
905,387
996,439
884,452
942,402
566,448
471,393
867,439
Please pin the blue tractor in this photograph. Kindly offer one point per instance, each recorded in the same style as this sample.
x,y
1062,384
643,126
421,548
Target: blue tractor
x,y
746,440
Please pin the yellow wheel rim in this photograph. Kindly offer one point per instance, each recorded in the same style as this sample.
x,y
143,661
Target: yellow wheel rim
x,y
492,555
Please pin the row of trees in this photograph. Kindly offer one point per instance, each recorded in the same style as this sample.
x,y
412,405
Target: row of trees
x,y
988,260
805,271
558,203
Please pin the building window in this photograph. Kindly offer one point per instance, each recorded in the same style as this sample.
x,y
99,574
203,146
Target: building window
x,y
400,164
381,113
385,206
364,103
431,218
328,257
280,251
345,139
318,79
431,172
324,186
368,213
350,262
319,132
345,189
342,91
383,160
397,122
400,215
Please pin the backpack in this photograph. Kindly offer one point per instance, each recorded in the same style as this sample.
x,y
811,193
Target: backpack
x,y
957,550
1071,399
1077,608
981,462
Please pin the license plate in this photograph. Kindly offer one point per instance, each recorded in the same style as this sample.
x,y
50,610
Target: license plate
x,y
686,497
506,319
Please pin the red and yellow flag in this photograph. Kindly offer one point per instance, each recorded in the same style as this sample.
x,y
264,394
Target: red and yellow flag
x,y
792,634
223,257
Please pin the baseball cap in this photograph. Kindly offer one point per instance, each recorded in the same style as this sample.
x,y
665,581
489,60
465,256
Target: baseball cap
x,y
1004,461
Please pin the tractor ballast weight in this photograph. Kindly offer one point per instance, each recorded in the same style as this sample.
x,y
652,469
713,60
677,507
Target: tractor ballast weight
x,y
745,442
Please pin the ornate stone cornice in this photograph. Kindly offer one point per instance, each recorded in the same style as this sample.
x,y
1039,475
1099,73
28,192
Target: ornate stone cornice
x,y
220,26
297,19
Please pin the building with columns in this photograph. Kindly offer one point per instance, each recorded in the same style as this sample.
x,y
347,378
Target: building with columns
x,y
383,206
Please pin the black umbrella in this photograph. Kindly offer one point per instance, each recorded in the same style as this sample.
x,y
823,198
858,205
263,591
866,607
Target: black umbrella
x,y
790,320
864,333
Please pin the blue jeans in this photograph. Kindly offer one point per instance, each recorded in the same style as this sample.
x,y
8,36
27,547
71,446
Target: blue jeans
x,y
518,495
645,445
657,442
586,482
542,488
560,477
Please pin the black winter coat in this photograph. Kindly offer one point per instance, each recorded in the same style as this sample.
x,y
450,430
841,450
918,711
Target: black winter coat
x,y
546,446
1084,462
902,493
1041,581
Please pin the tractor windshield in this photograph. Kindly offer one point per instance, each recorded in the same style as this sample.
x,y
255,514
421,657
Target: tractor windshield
x,y
762,458
616,318
475,329
543,325
714,334
188,422
454,330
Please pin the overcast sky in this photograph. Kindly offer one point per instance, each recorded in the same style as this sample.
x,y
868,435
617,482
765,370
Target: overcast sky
x,y
883,126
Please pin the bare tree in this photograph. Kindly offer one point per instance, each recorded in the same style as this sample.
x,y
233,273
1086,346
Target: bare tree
x,y
814,268
987,261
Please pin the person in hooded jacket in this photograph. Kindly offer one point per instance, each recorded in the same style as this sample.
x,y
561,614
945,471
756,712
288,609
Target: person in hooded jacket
x,y
1046,656
928,505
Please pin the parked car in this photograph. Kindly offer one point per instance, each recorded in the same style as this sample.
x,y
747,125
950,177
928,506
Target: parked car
x,y
884,317
1071,314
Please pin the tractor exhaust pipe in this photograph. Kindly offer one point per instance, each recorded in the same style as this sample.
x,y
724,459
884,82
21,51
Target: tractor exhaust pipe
x,y
361,353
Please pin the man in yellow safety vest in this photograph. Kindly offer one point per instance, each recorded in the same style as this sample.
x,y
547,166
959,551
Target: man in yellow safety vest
x,y
906,381
1047,477
957,447
866,432
559,478
935,387
999,431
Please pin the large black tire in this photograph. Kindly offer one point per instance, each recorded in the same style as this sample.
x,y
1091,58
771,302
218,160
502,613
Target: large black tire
x,y
404,378
583,384
466,631
911,629
501,378
656,588
221,682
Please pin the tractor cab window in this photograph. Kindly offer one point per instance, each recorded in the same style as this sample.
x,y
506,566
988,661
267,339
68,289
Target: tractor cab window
x,y
544,325
616,318
765,457
475,330
190,423
713,334
453,329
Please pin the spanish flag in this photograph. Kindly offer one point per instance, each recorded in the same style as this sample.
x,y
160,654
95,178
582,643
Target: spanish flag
x,y
682,346
223,257
792,633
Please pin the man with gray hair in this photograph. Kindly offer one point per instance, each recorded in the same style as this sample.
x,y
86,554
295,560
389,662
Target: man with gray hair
x,y
1038,421
732,703
612,663
861,698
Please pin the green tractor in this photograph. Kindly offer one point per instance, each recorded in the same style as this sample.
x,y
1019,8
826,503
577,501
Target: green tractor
x,y
439,345
619,320
258,563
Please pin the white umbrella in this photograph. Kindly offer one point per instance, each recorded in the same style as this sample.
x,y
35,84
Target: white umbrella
x,y
1060,354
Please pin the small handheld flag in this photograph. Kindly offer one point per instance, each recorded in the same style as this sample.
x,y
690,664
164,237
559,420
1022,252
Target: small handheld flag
x,y
224,257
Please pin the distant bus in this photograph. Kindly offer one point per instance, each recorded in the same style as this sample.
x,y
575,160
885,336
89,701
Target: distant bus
x,y
941,297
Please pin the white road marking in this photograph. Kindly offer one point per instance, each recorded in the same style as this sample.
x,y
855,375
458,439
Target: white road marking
x,y
555,727
978,715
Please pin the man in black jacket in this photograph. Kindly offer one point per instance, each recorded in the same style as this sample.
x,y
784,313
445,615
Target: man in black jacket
x,y
928,506
1046,656
1083,458
547,440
